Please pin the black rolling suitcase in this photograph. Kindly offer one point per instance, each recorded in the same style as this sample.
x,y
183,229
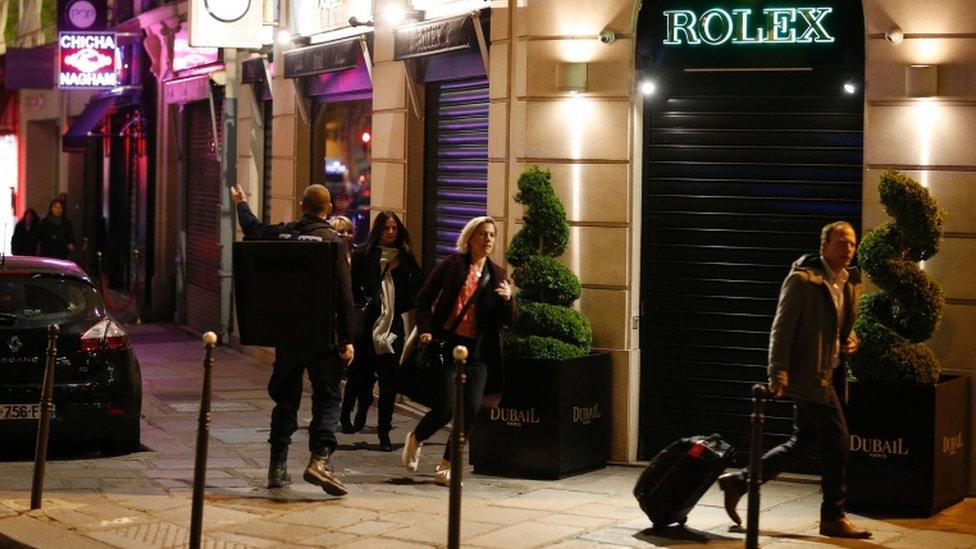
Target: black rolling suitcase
x,y
679,476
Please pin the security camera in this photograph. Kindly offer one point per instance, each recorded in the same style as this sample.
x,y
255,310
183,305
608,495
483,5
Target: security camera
x,y
894,35
607,36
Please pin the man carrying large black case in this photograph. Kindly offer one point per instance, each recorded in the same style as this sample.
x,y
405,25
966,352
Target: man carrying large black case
x,y
325,362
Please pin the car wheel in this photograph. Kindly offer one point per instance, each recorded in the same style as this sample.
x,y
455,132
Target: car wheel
x,y
119,446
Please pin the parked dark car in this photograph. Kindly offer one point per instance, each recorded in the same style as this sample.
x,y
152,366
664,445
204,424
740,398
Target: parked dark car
x,y
97,382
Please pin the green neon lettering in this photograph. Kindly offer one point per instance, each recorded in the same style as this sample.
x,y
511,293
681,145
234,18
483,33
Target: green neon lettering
x,y
814,19
706,27
782,20
717,26
743,38
683,21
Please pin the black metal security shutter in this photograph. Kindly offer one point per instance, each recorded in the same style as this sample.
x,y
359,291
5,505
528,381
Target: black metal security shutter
x,y
202,222
456,162
742,169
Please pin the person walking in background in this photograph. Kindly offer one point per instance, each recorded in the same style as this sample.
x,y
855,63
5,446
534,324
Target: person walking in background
x,y
386,279
458,306
55,235
325,371
24,241
811,331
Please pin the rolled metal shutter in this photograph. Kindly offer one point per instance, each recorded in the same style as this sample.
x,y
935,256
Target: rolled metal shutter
x,y
202,219
456,162
742,169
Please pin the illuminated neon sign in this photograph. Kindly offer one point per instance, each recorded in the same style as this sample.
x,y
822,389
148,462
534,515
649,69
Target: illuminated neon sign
x,y
89,60
717,26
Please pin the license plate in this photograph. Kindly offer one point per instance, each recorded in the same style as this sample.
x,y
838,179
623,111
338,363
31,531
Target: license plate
x,y
20,411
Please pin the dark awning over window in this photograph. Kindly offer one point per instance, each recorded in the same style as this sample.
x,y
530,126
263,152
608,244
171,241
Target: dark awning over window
x,y
255,71
90,117
326,57
438,36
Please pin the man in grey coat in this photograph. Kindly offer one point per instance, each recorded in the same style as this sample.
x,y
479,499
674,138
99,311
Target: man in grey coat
x,y
811,331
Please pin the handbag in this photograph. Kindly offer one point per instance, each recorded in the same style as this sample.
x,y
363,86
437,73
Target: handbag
x,y
430,355
359,311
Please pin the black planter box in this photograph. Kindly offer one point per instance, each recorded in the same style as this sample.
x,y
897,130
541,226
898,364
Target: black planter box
x,y
553,420
909,446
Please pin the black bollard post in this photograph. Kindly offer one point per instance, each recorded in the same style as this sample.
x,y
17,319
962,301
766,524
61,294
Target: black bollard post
x,y
136,286
44,422
759,393
203,433
457,450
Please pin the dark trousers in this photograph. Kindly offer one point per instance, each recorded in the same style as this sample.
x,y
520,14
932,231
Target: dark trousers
x,y
325,371
442,405
363,374
814,424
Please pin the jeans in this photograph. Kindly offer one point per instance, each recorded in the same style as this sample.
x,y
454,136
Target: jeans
x,y
442,407
814,423
365,372
325,371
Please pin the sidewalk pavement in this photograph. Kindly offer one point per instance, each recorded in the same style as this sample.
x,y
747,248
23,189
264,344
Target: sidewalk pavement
x,y
143,499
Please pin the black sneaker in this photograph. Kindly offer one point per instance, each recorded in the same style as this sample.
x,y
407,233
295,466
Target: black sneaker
x,y
319,473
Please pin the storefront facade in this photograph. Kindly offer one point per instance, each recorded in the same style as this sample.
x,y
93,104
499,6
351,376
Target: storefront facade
x,y
637,173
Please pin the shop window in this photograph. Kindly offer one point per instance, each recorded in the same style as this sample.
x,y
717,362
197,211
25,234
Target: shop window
x,y
342,158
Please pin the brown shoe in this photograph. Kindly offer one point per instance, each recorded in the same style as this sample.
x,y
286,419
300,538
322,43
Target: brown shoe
x,y
733,494
842,528
319,473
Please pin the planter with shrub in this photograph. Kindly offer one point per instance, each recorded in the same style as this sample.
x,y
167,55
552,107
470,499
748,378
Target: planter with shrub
x,y
908,421
554,416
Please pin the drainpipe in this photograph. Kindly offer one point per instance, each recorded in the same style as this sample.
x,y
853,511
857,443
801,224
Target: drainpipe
x,y
228,178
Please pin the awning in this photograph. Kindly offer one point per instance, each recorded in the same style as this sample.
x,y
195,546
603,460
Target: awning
x,y
92,116
326,57
440,36
256,72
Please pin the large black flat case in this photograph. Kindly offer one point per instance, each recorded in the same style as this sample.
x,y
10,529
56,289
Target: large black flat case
x,y
285,292
679,476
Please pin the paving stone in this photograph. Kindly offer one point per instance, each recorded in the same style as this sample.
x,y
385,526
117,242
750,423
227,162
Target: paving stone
x,y
331,516
370,528
32,532
587,523
409,517
334,539
386,503
435,531
549,499
500,515
608,511
526,534
584,544
274,530
213,516
244,541
381,543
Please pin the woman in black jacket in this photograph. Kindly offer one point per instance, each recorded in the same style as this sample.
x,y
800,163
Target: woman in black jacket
x,y
55,236
24,241
385,281
457,279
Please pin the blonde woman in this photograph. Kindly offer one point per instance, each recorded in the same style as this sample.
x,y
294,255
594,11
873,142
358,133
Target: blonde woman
x,y
458,306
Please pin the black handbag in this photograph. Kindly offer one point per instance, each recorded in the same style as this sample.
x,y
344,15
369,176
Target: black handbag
x,y
430,355
359,311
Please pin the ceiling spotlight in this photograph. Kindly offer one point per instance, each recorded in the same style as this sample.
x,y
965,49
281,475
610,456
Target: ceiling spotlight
x,y
284,37
395,15
850,88
648,87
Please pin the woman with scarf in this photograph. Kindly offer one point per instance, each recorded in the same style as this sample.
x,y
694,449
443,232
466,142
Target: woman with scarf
x,y
385,281
55,236
24,241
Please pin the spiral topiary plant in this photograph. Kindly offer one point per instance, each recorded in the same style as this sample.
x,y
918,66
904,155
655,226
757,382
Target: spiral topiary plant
x,y
547,326
895,321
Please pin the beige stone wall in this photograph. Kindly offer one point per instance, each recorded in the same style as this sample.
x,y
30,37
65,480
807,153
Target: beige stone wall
x,y
933,141
587,141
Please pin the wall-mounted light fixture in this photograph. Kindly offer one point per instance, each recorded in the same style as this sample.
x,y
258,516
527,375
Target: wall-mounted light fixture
x,y
922,80
571,77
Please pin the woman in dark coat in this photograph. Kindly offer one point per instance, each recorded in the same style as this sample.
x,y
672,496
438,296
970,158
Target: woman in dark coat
x,y
24,241
55,236
455,280
385,281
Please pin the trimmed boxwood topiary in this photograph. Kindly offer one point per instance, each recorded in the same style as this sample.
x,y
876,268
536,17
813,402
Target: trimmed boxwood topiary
x,y
547,326
895,321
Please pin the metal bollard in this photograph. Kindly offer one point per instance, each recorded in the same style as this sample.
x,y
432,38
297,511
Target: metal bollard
x,y
136,287
44,422
759,393
203,433
457,450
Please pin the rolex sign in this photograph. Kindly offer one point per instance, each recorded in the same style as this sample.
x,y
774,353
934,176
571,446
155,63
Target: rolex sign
x,y
226,23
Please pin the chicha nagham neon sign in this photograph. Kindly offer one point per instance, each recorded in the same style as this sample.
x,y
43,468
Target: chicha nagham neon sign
x,y
744,26
89,60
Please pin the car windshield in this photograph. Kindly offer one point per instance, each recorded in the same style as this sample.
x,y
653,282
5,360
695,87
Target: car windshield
x,y
42,300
